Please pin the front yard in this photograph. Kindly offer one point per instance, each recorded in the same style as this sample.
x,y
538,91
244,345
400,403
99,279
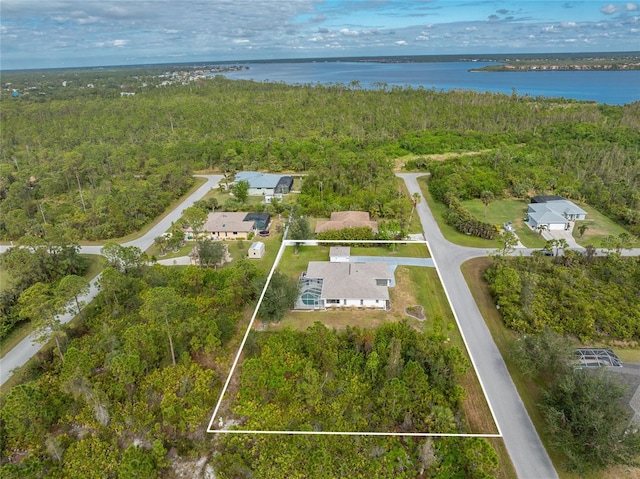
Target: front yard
x,y
503,210
598,228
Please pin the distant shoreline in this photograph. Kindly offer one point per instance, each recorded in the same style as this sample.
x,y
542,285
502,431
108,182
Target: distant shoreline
x,y
508,58
607,66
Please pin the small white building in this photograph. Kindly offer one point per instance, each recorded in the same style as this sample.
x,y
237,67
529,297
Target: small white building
x,y
339,254
256,250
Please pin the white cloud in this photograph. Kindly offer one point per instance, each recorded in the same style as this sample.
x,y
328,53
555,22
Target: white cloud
x,y
151,30
112,43
610,9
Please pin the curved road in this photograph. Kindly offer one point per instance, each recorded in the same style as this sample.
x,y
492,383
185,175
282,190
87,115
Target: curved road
x,y
527,453
28,347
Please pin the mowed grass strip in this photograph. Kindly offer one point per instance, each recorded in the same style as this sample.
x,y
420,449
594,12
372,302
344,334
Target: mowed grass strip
x,y
449,232
598,228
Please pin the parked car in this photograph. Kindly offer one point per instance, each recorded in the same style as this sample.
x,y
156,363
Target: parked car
x,y
546,252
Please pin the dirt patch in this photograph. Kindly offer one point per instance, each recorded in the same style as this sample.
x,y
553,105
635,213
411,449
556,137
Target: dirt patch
x,y
620,471
401,162
401,294
415,312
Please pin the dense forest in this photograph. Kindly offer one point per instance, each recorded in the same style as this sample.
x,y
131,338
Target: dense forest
x,y
103,166
583,408
133,388
390,379
586,297
393,379
49,262
128,393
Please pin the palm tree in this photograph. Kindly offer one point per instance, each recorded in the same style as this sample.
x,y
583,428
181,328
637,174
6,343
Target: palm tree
x,y
486,197
541,228
415,200
582,229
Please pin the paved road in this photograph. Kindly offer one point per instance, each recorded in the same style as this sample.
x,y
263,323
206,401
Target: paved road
x,y
527,453
28,347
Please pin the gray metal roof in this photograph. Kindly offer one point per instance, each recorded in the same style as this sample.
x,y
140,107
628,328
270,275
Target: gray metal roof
x,y
257,179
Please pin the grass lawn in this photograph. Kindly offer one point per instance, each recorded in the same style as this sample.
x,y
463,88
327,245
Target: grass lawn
x,y
448,231
599,227
293,265
410,250
183,251
503,210
223,196
529,391
271,245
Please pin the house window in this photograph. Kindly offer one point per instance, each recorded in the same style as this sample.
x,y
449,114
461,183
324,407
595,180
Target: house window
x,y
235,232
361,302
376,301
332,301
382,282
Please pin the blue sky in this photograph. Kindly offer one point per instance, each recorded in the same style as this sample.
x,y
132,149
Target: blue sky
x,y
68,33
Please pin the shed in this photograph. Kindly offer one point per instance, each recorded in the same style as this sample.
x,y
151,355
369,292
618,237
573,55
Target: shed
x,y
256,250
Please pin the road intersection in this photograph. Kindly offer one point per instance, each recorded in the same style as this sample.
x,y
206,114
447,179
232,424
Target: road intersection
x,y
28,347
527,453
529,457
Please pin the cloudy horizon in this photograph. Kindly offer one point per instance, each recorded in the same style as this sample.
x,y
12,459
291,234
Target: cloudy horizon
x,y
75,33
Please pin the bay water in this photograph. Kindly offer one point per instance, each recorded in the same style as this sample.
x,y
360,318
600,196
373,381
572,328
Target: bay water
x,y
610,87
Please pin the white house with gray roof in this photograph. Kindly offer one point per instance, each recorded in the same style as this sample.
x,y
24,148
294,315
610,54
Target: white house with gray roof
x,y
265,184
554,215
345,284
